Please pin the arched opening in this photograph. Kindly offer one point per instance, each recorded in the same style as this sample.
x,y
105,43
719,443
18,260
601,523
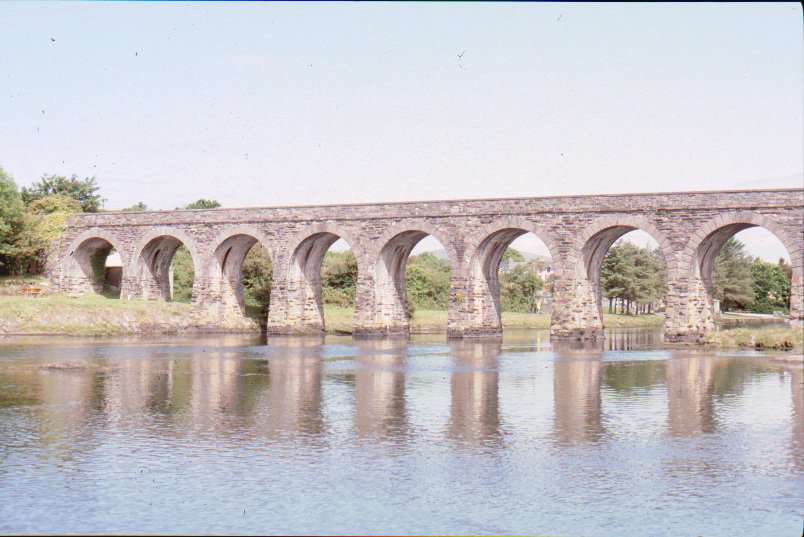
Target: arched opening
x,y
746,269
526,276
112,274
513,275
90,267
627,273
166,270
241,275
322,281
412,282
633,276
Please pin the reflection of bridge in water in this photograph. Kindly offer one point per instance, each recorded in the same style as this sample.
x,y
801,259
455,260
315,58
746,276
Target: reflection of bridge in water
x,y
379,387
281,392
475,400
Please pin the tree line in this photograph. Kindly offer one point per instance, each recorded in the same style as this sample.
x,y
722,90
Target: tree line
x,y
633,278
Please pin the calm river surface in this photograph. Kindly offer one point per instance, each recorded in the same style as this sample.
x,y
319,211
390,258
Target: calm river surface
x,y
229,435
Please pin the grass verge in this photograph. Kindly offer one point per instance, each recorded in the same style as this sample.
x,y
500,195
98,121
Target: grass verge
x,y
774,338
92,315
339,319
100,315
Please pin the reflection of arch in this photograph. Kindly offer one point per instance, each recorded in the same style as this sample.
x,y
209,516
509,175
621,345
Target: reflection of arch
x,y
690,383
390,256
474,389
153,257
294,394
577,399
225,265
380,388
82,253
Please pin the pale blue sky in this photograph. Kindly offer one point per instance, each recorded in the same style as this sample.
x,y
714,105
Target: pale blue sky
x,y
278,103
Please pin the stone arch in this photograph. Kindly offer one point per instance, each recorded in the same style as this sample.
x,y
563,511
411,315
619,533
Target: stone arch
x,y
703,246
702,249
484,252
499,229
321,231
299,276
224,265
231,231
152,258
416,225
80,276
389,257
591,245
589,250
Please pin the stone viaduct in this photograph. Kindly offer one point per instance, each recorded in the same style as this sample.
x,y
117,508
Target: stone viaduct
x,y
690,228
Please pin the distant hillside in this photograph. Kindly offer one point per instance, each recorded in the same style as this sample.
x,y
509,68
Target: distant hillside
x,y
441,254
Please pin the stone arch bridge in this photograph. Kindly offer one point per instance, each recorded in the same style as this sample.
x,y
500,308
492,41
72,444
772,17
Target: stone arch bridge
x,y
690,228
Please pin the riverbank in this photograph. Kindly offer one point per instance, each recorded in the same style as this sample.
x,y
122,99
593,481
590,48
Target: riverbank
x,y
339,320
95,315
770,338
91,316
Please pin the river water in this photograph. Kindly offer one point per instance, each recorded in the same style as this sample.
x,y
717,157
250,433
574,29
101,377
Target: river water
x,y
311,435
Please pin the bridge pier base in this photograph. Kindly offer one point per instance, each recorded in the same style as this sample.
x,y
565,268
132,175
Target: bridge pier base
x,y
577,314
474,310
370,332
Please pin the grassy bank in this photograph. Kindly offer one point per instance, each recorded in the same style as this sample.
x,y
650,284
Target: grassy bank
x,y
429,321
774,338
90,316
95,315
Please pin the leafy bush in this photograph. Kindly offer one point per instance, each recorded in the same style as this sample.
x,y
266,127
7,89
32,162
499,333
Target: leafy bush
x,y
257,276
183,275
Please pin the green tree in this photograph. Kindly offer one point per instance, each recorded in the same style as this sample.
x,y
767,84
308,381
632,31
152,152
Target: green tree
x,y
339,278
85,191
257,275
650,284
788,272
41,223
183,275
11,211
771,287
520,290
139,206
203,204
731,276
617,275
10,202
512,254
427,282
633,276
54,203
183,269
